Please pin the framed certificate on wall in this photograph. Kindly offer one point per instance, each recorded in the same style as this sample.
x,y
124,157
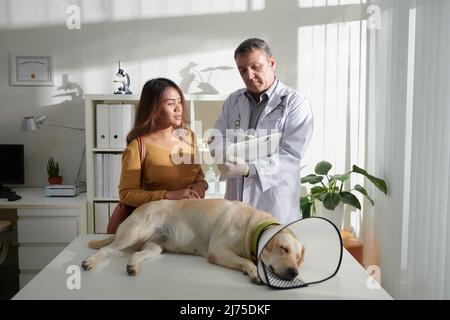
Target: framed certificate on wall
x,y
31,70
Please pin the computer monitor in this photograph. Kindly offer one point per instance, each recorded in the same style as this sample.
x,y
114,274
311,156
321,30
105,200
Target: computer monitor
x,y
11,165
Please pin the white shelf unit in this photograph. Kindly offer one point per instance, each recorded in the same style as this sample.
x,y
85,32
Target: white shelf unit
x,y
204,108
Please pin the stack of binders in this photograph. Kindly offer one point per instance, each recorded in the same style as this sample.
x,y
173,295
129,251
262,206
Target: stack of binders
x,y
107,175
114,122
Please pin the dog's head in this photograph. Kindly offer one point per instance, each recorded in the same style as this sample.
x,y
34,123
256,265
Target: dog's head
x,y
283,254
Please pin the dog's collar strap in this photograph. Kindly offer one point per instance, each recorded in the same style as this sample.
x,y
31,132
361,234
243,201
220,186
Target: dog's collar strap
x,y
258,232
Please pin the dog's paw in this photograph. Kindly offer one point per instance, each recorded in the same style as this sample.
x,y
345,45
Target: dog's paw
x,y
256,280
87,264
132,270
252,272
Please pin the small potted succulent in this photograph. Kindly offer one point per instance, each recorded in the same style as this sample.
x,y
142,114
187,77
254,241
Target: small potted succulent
x,y
53,172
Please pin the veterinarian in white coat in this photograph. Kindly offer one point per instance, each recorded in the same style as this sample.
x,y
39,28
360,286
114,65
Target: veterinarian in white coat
x,y
268,183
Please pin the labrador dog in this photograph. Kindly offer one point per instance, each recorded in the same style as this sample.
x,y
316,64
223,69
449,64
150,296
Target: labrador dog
x,y
218,229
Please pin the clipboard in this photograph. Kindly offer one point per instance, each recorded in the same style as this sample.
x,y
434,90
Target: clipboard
x,y
254,148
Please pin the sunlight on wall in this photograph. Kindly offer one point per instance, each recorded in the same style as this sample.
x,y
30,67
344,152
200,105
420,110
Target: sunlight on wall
x,y
94,77
327,3
257,5
26,13
196,73
332,74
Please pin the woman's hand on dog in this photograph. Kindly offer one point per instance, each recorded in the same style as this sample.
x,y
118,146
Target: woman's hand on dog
x,y
181,194
199,187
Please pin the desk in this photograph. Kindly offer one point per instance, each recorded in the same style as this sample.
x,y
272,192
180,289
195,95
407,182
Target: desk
x,y
176,276
45,226
34,198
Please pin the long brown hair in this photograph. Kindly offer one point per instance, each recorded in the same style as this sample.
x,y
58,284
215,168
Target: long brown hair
x,y
150,114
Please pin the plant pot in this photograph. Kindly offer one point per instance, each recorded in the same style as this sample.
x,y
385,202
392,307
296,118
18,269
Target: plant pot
x,y
335,216
55,180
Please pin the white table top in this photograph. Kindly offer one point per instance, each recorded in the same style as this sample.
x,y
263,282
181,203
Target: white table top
x,y
33,197
175,276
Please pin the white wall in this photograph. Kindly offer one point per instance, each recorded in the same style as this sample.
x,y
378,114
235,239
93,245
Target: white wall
x,y
151,38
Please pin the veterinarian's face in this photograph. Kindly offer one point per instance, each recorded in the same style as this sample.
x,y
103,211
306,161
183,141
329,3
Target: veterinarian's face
x,y
171,103
284,254
257,70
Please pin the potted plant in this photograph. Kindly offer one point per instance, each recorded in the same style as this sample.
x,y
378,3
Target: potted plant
x,y
328,195
53,172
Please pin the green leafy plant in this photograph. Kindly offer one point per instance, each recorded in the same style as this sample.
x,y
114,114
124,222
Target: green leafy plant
x,y
52,168
330,188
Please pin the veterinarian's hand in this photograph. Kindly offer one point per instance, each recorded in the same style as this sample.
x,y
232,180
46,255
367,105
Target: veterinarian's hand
x,y
233,168
199,187
181,194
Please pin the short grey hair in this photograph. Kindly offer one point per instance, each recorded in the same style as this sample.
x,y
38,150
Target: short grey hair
x,y
248,45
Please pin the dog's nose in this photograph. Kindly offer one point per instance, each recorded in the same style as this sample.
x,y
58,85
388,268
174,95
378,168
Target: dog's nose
x,y
292,273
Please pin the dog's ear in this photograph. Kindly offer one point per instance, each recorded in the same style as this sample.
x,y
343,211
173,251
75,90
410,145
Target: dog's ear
x,y
300,256
291,233
269,245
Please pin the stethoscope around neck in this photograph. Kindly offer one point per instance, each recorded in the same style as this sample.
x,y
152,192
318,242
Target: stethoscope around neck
x,y
237,122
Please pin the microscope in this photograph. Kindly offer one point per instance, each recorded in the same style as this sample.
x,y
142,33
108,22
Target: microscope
x,y
125,80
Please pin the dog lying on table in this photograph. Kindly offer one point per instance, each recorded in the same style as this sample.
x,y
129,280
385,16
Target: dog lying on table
x,y
226,232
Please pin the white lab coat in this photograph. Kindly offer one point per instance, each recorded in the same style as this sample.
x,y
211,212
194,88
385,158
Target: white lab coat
x,y
290,113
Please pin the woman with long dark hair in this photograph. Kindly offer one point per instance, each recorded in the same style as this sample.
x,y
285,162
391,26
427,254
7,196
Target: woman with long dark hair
x,y
169,166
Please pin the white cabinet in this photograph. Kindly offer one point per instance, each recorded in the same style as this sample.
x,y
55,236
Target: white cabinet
x,y
48,229
203,110
42,234
45,226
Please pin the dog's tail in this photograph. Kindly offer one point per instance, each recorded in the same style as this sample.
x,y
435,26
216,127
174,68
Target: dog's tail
x,y
97,244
